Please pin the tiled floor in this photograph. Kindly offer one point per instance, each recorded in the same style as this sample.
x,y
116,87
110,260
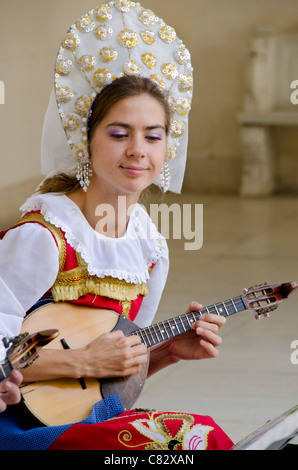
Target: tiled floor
x,y
246,242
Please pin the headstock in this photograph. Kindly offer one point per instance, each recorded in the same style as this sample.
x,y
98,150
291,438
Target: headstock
x,y
264,298
23,349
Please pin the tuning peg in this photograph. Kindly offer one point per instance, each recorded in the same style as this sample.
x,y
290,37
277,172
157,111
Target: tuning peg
x,y
6,342
265,311
257,315
31,362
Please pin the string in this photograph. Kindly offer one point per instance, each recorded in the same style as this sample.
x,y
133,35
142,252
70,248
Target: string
x,y
167,329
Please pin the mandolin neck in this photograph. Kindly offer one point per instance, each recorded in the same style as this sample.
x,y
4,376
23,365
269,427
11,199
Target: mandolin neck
x,y
5,369
159,332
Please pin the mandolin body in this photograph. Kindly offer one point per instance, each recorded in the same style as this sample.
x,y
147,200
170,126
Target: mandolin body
x,y
62,401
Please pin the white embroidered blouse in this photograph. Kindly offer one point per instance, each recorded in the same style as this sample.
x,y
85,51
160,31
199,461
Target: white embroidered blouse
x,y
29,261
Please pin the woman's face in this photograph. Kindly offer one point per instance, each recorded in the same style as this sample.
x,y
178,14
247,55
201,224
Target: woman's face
x,y
128,147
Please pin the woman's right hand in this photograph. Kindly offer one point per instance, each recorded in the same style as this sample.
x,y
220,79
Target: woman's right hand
x,y
113,355
9,390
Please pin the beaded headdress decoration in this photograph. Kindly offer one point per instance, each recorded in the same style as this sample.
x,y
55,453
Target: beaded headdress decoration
x,y
116,38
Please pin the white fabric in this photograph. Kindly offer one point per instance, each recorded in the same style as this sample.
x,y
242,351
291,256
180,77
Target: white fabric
x,y
56,154
167,49
127,257
28,267
29,258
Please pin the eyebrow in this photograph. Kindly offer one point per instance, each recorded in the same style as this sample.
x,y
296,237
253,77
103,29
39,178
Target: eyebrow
x,y
128,126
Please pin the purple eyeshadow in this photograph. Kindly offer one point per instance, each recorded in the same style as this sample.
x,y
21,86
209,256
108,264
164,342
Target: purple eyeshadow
x,y
115,132
155,135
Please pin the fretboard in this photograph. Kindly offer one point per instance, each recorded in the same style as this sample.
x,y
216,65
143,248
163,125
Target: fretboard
x,y
159,332
5,369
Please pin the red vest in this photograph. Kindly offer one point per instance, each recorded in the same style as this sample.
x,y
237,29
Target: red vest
x,y
75,284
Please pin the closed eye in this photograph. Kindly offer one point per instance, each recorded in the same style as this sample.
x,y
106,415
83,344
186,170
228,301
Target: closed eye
x,y
117,135
154,137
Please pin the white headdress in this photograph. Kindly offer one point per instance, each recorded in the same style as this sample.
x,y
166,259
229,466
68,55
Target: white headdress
x,y
116,38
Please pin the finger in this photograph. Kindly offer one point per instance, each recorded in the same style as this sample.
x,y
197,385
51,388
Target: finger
x,y
2,405
16,377
133,359
135,354
135,340
12,394
210,350
211,322
209,336
213,318
130,340
206,325
194,307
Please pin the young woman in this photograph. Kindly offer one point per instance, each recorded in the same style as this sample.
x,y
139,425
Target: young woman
x,y
61,248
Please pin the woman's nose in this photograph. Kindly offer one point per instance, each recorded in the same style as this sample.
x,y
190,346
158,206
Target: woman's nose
x,y
135,148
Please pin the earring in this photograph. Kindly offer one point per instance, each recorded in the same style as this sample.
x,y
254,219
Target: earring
x,y
83,174
164,177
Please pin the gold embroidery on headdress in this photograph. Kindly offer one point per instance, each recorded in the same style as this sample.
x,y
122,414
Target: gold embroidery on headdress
x,y
135,40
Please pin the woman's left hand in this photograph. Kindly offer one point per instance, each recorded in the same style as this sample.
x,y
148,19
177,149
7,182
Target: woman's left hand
x,y
201,341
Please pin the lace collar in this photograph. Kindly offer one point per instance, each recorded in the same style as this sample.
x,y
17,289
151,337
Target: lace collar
x,y
126,258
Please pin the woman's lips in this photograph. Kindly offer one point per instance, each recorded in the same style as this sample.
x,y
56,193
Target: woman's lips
x,y
133,170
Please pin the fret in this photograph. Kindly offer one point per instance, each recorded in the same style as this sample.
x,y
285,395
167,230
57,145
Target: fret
x,y
182,322
164,330
176,326
150,333
225,309
242,305
230,306
233,303
207,309
140,334
171,329
157,339
168,329
146,338
194,317
160,331
158,328
216,310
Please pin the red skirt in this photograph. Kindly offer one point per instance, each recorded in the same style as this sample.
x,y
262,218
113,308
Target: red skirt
x,y
146,430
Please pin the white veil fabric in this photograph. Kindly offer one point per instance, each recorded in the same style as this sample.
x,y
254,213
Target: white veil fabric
x,y
116,38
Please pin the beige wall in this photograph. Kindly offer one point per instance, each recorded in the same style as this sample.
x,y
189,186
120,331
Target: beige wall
x,y
217,32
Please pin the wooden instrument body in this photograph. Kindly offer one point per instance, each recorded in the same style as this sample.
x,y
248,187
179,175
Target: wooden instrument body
x,y
61,401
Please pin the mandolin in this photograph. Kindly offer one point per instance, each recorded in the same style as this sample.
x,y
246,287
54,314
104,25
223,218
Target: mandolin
x,y
23,350
61,401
